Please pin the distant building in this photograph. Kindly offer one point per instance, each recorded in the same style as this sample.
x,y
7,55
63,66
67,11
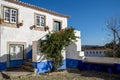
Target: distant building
x,y
94,51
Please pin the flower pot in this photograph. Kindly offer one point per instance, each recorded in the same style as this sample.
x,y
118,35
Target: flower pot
x,y
46,28
34,26
20,24
0,21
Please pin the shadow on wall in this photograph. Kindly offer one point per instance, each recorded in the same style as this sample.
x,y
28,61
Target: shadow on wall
x,y
72,57
15,60
29,52
3,63
71,51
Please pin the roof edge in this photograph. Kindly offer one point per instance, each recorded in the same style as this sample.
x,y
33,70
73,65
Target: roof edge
x,y
37,8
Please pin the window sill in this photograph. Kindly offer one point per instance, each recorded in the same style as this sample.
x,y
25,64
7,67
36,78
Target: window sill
x,y
9,25
39,28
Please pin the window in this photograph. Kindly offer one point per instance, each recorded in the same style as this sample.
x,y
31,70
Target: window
x,y
10,15
93,52
87,52
57,26
16,51
40,20
96,52
90,52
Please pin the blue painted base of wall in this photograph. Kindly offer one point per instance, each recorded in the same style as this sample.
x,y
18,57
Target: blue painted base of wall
x,y
46,66
63,66
98,67
73,63
29,54
12,63
43,67
15,63
3,66
79,64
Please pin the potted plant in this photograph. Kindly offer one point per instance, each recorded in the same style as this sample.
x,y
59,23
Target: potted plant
x,y
1,21
46,28
19,24
34,26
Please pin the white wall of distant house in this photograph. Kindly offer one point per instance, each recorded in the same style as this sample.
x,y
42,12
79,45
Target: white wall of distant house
x,y
94,53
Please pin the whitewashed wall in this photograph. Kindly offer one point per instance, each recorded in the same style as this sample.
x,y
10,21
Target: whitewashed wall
x,y
24,33
73,50
38,56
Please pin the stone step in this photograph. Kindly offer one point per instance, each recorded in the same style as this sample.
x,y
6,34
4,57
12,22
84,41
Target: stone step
x,y
28,64
29,60
29,68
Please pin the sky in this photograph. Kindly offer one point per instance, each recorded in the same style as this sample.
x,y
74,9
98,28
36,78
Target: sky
x,y
88,16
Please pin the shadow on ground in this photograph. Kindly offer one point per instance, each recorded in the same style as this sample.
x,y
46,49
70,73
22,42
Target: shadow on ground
x,y
101,75
15,72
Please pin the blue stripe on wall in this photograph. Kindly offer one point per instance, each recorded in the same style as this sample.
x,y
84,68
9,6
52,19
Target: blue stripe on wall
x,y
43,66
15,63
46,66
3,66
110,68
118,67
73,63
29,54
63,67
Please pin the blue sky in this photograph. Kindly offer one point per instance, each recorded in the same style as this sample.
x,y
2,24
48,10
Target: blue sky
x,y
88,16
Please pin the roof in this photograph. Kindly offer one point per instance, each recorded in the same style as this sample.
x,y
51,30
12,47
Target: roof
x,y
95,48
36,8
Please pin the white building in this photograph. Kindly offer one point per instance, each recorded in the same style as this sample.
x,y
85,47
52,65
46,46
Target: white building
x,y
21,24
95,52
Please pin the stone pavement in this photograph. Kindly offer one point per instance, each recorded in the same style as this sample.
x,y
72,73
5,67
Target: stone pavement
x,y
15,72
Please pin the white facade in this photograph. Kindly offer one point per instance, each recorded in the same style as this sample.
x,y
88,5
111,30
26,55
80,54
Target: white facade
x,y
95,53
24,34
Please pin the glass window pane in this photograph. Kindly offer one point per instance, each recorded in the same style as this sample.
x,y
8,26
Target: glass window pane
x,y
16,51
56,26
40,20
37,20
6,14
13,16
